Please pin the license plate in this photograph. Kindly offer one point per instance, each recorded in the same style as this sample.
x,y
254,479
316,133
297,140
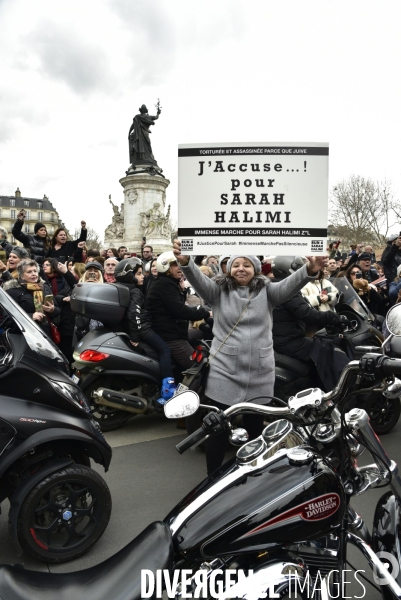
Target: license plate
x,y
74,378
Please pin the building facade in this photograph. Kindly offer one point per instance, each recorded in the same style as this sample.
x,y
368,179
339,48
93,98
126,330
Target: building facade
x,y
36,211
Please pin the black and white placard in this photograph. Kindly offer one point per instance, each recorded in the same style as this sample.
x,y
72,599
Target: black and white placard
x,y
263,199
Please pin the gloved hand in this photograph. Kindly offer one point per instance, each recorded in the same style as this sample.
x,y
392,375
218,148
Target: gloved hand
x,y
331,317
343,320
214,422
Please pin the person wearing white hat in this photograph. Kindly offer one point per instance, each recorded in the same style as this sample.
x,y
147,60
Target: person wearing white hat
x,y
242,358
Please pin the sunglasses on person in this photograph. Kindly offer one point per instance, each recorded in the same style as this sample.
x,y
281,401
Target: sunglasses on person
x,y
355,272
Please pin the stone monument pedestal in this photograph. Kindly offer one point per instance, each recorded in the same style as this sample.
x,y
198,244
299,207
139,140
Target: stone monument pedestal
x,y
145,212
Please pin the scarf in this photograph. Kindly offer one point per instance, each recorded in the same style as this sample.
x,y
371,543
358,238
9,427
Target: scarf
x,y
109,278
54,283
37,293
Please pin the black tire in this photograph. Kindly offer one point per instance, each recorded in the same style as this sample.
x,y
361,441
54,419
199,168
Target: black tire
x,y
383,412
107,417
45,528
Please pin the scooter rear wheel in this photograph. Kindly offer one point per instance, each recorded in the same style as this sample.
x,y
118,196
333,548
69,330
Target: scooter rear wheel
x,y
64,515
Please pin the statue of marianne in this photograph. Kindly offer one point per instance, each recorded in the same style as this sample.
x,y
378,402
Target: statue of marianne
x,y
140,149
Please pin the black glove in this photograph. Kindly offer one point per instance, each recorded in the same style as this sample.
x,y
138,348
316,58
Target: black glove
x,y
343,320
214,422
331,317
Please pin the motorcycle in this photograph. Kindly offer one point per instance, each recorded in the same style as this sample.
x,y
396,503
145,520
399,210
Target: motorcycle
x,y
273,522
59,506
120,380
293,375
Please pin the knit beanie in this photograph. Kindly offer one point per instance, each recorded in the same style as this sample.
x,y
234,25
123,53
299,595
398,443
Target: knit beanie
x,y
253,259
38,226
20,252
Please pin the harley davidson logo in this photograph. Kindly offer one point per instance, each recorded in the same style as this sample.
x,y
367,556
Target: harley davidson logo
x,y
319,508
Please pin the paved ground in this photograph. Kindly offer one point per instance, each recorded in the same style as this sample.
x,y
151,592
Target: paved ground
x,y
148,477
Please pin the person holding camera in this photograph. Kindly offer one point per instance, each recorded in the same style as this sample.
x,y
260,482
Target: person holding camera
x,y
62,248
38,244
33,294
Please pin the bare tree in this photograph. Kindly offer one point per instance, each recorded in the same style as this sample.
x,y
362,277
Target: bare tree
x,y
93,239
366,208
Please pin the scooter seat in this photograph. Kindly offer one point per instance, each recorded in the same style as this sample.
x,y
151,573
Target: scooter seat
x,y
117,578
292,364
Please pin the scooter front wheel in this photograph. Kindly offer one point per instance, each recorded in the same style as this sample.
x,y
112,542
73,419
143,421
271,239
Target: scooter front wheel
x,y
64,515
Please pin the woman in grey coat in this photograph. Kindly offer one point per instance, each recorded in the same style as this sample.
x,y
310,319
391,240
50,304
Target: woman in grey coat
x,y
242,358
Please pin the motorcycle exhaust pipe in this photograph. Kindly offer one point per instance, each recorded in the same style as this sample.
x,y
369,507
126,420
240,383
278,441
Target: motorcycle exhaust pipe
x,y
120,401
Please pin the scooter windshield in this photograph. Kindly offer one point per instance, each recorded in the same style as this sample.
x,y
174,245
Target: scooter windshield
x,y
350,297
14,317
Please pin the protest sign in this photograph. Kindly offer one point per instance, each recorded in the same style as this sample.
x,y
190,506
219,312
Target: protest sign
x,y
264,199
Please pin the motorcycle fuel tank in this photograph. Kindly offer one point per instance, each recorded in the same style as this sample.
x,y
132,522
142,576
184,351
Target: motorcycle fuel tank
x,y
258,505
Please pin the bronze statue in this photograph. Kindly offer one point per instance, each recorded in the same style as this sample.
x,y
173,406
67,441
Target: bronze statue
x,y
140,149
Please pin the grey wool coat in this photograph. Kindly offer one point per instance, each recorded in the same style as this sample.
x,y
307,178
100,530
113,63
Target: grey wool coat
x,y
243,368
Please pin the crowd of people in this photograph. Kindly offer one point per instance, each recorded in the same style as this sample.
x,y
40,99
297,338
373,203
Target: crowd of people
x,y
174,301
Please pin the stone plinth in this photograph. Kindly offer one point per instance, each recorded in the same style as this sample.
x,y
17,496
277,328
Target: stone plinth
x,y
141,217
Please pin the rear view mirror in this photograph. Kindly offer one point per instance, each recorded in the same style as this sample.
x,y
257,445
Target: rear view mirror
x,y
182,405
393,320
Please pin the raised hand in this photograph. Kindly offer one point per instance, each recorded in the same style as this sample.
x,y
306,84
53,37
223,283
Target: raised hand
x,y
181,259
316,264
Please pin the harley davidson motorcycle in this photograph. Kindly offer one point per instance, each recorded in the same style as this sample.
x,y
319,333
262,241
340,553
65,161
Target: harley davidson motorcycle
x,y
278,515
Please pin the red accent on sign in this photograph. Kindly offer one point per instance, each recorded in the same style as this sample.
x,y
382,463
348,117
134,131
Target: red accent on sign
x,y
316,509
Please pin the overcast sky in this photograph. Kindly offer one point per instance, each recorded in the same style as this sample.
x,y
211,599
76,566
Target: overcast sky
x,y
74,73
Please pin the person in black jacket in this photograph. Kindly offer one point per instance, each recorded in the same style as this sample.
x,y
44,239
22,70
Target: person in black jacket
x,y
165,301
38,244
290,319
138,324
9,270
61,281
391,258
30,291
62,248
4,244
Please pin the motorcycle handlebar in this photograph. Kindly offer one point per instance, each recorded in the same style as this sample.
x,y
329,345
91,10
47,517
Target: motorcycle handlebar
x,y
199,434
191,440
392,366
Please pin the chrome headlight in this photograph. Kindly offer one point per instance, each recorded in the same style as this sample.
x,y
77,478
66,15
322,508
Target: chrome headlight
x,y
72,392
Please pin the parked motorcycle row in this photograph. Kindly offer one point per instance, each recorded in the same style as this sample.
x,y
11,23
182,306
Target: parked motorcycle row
x,y
279,511
121,382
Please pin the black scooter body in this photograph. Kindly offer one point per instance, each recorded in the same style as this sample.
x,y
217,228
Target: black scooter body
x,y
47,432
122,359
37,394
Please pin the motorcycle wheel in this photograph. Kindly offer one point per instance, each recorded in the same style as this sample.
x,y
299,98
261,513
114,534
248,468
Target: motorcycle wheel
x,y
107,417
383,412
64,515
